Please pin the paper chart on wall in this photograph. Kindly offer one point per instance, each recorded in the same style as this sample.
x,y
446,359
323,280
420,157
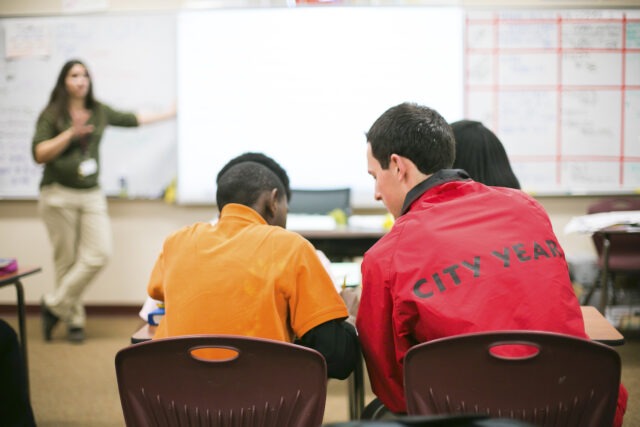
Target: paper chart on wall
x,y
561,89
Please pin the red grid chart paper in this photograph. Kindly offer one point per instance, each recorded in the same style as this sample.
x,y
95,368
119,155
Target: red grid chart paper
x,y
561,89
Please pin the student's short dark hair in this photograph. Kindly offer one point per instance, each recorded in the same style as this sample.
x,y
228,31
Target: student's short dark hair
x,y
481,154
264,160
245,182
416,132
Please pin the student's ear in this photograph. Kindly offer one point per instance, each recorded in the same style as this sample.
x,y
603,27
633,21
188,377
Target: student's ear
x,y
271,205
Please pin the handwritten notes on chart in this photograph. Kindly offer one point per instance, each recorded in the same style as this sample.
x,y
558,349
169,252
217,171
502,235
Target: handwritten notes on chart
x,y
561,89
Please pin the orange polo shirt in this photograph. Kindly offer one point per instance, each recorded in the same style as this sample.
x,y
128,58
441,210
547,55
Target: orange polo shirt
x,y
242,276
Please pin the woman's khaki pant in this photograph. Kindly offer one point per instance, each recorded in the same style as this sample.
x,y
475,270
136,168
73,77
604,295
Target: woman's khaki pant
x,y
80,232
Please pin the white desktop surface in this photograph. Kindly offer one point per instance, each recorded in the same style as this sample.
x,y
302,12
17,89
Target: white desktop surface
x,y
595,222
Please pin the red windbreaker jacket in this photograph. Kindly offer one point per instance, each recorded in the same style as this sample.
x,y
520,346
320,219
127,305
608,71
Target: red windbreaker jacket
x,y
463,257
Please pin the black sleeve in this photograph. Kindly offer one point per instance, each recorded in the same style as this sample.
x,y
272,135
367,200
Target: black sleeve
x,y
337,341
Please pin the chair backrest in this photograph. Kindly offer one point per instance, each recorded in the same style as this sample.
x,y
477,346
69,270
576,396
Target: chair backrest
x,y
260,383
624,252
320,201
567,381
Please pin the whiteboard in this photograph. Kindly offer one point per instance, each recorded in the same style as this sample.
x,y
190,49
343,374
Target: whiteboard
x,y
132,62
303,85
561,89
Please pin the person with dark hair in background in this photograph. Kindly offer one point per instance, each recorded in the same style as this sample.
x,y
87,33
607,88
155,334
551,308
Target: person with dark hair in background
x,y
461,257
480,153
15,407
247,275
72,205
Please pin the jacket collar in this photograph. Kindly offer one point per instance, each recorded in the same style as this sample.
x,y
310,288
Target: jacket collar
x,y
440,177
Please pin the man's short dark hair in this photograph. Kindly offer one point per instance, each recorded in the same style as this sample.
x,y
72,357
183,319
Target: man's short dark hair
x,y
416,132
264,160
244,182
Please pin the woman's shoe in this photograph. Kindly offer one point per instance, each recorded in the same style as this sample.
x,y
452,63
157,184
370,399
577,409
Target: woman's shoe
x,y
49,321
75,335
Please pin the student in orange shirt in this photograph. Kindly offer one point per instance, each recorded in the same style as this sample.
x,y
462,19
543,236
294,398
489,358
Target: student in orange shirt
x,y
247,275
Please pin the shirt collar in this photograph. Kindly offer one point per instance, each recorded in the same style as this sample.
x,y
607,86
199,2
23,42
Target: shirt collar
x,y
241,212
440,177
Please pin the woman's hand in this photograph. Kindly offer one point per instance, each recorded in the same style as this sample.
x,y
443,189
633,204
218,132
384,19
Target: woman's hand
x,y
79,131
79,127
48,150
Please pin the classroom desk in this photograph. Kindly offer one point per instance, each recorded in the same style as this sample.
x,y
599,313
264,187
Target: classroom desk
x,y
598,328
342,243
606,234
14,279
145,333
596,325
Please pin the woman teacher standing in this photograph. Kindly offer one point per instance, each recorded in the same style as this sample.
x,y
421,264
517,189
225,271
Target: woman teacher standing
x,y
72,204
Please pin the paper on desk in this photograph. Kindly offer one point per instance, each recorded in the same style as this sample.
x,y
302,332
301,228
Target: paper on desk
x,y
346,273
367,222
342,273
347,279
310,222
149,305
594,222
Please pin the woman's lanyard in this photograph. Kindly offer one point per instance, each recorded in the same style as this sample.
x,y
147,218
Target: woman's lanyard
x,y
84,145
88,166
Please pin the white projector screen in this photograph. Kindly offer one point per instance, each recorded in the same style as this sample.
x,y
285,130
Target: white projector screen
x,y
303,85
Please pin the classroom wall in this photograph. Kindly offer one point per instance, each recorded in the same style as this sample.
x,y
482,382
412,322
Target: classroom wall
x,y
139,226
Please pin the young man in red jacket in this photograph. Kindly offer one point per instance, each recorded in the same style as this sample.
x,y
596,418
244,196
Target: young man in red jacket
x,y
461,257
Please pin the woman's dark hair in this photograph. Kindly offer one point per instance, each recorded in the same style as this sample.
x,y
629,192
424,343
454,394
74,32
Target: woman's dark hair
x,y
482,155
59,99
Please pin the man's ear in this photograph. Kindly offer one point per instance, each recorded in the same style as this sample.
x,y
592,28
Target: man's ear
x,y
399,166
406,171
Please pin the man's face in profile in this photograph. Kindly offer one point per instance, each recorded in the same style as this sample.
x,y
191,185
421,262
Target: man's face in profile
x,y
387,187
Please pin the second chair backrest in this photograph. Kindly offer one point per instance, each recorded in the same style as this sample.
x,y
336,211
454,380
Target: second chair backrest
x,y
624,254
565,381
321,201
258,382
